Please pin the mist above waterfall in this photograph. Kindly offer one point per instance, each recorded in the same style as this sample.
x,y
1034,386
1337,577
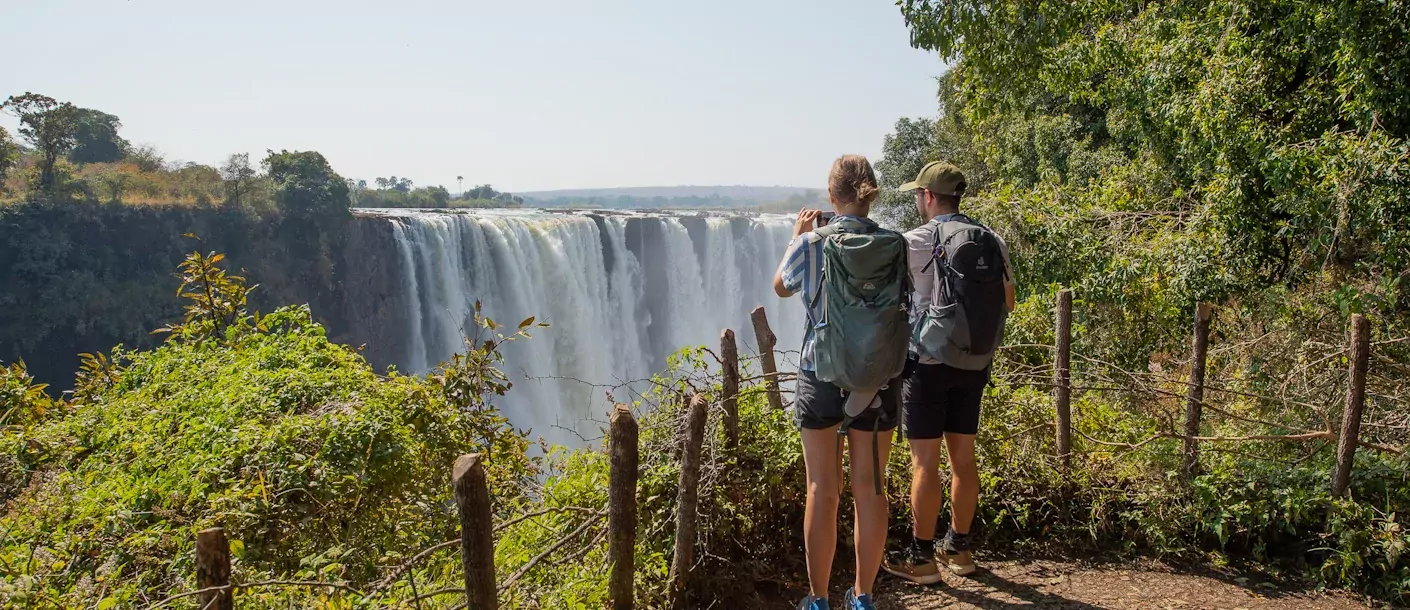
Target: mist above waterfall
x,y
620,291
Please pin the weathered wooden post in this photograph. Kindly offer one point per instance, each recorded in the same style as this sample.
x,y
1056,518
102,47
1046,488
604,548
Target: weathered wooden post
x,y
1194,402
766,339
472,497
1062,377
687,501
621,509
213,570
729,352
1355,401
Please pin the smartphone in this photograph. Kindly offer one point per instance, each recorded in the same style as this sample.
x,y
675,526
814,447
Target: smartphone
x,y
825,217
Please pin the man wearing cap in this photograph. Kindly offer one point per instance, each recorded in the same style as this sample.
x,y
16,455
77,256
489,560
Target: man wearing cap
x,y
941,402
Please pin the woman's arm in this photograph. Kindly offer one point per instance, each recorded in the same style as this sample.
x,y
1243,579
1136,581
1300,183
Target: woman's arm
x,y
802,225
779,288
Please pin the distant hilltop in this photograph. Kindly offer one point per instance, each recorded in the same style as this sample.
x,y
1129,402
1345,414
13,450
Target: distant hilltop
x,y
675,197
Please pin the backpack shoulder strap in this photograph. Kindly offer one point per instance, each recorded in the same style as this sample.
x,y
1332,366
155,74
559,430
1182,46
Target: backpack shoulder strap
x,y
822,233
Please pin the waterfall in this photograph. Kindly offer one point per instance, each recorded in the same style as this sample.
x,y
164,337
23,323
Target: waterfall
x,y
621,292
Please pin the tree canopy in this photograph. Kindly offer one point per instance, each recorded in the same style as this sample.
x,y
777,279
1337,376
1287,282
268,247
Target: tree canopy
x,y
306,186
1275,132
96,138
47,124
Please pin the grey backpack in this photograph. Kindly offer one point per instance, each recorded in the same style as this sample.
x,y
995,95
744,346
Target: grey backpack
x,y
862,339
965,321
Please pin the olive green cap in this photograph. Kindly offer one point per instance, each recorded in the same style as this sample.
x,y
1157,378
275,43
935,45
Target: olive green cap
x,y
938,177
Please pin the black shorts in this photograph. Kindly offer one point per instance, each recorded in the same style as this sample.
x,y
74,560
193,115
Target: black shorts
x,y
817,405
940,398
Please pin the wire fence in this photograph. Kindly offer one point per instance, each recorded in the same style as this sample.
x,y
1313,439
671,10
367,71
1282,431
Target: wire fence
x,y
702,390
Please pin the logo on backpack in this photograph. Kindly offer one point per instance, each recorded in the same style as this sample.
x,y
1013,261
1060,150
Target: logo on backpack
x,y
965,321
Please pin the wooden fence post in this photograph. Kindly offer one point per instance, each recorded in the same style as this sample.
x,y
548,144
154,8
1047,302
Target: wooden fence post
x,y
766,339
687,501
1355,401
1062,377
1194,402
472,496
621,509
213,570
729,352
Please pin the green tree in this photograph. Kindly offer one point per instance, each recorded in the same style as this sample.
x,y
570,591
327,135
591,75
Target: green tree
x,y
47,124
96,138
484,191
903,154
439,195
1280,126
305,186
238,176
147,158
9,156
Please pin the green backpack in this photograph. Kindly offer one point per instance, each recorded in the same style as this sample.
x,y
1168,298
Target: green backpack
x,y
862,339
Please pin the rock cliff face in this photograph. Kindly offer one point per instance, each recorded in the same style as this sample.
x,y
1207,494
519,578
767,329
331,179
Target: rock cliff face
x,y
85,277
370,303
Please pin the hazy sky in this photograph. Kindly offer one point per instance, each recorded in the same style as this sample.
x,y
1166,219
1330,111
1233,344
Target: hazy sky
x,y
522,95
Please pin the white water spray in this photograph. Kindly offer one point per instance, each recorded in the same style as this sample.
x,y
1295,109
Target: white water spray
x,y
620,293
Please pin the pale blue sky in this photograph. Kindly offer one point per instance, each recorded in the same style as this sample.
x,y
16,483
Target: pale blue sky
x,y
522,95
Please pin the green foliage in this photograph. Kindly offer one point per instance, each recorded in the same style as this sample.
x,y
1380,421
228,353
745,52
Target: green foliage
x,y
904,153
216,300
1276,125
22,400
399,193
317,467
239,177
48,125
306,187
1153,155
96,138
85,276
9,156
147,158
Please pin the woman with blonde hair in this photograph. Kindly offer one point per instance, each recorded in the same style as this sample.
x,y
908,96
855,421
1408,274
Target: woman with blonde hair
x,y
855,285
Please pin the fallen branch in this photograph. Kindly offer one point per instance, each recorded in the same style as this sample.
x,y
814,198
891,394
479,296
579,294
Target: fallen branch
x,y
437,593
1022,432
575,555
252,585
540,513
549,551
400,569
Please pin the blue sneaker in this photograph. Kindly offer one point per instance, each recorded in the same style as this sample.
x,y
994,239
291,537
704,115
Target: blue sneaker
x,y
813,603
859,602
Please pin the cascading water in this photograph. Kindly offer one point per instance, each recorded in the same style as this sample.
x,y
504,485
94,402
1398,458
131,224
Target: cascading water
x,y
621,292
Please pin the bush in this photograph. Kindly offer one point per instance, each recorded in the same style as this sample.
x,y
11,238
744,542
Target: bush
x,y
317,467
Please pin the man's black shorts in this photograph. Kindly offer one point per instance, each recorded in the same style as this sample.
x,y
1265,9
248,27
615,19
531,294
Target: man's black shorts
x,y
940,398
817,405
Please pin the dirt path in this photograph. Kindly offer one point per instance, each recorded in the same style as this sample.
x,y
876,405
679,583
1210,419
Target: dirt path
x,y
1041,585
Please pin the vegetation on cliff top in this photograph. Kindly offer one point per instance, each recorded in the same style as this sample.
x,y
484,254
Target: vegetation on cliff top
x,y
76,154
